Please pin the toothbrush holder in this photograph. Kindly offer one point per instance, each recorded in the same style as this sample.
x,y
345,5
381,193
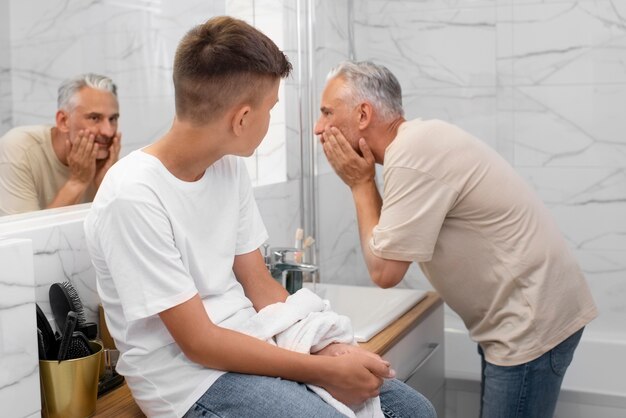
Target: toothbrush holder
x,y
70,387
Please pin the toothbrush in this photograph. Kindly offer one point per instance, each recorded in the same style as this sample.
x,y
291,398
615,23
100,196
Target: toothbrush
x,y
298,245
308,241
299,236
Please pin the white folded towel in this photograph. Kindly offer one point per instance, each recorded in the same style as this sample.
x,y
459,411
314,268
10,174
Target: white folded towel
x,y
305,323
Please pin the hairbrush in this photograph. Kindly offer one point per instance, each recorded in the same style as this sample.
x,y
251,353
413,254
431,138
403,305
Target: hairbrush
x,y
40,347
48,340
64,298
78,347
66,337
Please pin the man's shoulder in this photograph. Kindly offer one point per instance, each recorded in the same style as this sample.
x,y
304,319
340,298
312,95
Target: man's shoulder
x,y
24,143
415,137
426,127
24,137
431,136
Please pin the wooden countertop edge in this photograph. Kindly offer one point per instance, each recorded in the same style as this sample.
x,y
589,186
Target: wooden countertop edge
x,y
120,402
385,339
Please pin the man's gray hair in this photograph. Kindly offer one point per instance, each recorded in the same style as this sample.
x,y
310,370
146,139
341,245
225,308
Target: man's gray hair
x,y
69,88
373,83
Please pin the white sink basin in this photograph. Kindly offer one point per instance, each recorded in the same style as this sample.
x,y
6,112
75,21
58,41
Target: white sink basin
x,y
369,308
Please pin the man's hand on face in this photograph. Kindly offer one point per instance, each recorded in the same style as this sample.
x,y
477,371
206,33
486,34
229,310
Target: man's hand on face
x,y
102,166
82,158
352,168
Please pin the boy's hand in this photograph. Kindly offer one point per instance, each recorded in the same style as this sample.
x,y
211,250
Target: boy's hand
x,y
356,377
338,349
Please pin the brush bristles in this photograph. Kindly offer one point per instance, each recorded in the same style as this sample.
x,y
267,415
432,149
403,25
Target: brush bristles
x,y
77,305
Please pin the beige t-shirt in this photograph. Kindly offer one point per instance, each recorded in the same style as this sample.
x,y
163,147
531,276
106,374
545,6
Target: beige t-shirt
x,y
483,238
30,172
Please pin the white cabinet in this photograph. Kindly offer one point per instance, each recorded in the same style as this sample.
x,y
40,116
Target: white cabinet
x,y
418,357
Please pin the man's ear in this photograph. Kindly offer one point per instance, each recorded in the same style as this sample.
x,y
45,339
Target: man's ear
x,y
365,115
240,119
62,120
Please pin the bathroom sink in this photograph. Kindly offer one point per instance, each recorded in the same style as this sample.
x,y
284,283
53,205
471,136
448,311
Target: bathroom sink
x,y
369,308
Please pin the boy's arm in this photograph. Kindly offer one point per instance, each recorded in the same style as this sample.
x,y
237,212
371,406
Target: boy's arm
x,y
351,378
263,290
258,284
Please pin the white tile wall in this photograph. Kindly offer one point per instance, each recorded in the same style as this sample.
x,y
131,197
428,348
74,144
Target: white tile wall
x,y
19,366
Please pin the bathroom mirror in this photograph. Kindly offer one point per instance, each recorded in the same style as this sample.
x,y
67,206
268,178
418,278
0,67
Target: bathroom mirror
x,y
45,42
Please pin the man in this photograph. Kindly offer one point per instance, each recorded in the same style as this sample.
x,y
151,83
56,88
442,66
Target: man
x,y
479,233
52,166
174,235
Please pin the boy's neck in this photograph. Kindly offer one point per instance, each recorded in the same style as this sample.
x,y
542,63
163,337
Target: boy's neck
x,y
187,151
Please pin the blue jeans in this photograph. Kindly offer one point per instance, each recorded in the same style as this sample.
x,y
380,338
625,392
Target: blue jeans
x,y
528,390
236,395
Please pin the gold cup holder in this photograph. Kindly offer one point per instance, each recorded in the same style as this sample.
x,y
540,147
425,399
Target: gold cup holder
x,y
70,387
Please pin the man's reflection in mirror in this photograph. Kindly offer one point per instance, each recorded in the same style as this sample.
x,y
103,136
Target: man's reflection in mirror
x,y
51,166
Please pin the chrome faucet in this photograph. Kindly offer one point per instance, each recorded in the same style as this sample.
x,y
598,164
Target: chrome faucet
x,y
286,271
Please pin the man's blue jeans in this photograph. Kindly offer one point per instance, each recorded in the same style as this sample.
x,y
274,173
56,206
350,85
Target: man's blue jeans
x,y
529,390
236,395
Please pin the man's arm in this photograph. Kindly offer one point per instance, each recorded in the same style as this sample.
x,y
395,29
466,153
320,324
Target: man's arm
x,y
359,174
384,272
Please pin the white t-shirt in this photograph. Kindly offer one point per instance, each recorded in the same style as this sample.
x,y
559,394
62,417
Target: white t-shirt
x,y
155,242
483,238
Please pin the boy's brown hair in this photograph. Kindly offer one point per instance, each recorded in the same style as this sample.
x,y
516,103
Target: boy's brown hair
x,y
221,63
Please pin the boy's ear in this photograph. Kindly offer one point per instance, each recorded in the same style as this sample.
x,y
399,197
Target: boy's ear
x,y
240,119
62,121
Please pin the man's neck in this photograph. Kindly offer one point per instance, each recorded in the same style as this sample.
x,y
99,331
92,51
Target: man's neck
x,y
59,145
383,135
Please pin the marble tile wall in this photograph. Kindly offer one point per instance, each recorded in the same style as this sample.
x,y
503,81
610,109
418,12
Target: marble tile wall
x,y
59,253
19,367
543,82
5,62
